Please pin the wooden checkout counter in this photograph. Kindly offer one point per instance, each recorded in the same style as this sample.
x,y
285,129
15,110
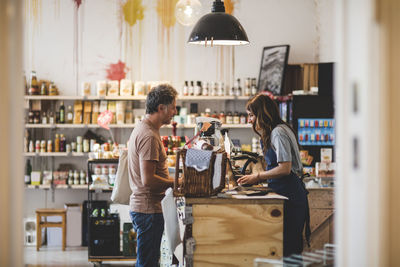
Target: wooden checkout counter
x,y
233,232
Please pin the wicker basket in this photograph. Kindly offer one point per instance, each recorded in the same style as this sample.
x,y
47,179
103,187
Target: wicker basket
x,y
195,183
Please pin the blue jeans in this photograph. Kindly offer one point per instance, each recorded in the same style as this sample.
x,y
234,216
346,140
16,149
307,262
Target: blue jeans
x,y
149,229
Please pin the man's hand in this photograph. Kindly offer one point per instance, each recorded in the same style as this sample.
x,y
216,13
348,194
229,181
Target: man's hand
x,y
248,179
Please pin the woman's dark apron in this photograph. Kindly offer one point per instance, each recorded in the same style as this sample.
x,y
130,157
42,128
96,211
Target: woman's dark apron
x,y
296,210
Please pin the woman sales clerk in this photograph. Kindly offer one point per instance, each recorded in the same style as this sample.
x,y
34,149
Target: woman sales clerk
x,y
281,152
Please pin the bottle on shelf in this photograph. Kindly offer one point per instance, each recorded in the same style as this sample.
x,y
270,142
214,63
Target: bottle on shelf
x,y
62,112
191,88
197,89
51,117
44,118
70,177
57,144
76,177
247,87
238,88
206,89
34,86
53,89
70,115
185,89
214,89
62,143
43,89
253,86
28,171
221,89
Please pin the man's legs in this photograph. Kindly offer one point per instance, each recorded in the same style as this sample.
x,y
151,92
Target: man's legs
x,y
149,229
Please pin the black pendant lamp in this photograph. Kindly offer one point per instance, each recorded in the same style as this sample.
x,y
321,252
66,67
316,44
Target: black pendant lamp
x,y
218,28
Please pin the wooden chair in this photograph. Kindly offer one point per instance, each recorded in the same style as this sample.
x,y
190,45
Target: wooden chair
x,y
42,224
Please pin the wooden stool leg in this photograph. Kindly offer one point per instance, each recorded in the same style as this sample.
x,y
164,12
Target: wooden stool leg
x,y
64,231
38,232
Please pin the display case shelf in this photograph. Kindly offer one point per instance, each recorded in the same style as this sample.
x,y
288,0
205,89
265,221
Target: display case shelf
x,y
59,186
180,98
179,126
55,154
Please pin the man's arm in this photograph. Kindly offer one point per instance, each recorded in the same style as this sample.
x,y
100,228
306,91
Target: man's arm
x,y
151,180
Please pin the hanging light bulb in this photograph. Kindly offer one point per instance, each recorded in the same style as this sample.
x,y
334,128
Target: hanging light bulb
x,y
187,12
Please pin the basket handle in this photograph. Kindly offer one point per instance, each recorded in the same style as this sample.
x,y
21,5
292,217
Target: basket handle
x,y
178,156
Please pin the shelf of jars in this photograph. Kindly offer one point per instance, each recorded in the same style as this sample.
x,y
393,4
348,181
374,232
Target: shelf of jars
x,y
59,186
181,126
183,98
55,154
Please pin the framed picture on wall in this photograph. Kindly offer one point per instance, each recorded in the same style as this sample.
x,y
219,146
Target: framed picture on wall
x,y
272,70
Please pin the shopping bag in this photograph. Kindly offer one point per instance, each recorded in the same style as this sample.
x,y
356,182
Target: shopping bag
x,y
122,191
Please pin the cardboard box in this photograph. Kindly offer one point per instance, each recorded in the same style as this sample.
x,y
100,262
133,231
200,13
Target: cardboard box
x,y
36,177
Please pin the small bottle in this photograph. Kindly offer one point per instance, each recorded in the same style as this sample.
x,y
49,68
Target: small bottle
x,y
232,91
44,118
247,87
197,89
57,144
191,88
76,177
185,89
62,112
53,89
82,177
238,88
214,90
229,118
43,146
43,89
70,177
62,143
28,171
236,118
34,86
70,115
49,146
31,117
208,112
36,117
51,117
31,147
253,86
206,89
221,89
37,146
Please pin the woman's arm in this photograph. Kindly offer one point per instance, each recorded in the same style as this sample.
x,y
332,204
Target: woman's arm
x,y
281,170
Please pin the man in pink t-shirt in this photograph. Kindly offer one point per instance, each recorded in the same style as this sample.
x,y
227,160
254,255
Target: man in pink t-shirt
x,y
148,172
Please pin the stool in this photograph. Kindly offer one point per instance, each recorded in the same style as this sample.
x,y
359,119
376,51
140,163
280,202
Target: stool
x,y
39,224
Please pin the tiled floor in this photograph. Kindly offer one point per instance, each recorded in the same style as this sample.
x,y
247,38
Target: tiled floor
x,y
55,257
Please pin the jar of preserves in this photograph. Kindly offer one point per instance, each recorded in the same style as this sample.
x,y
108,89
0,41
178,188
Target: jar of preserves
x,y
104,170
229,118
236,118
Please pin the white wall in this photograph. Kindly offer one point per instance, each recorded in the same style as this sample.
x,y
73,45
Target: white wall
x,y
49,47
103,38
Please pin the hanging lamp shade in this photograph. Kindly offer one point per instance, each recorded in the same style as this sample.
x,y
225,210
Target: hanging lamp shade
x,y
218,28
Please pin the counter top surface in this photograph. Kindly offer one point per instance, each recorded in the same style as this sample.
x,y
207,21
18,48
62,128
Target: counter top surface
x,y
271,198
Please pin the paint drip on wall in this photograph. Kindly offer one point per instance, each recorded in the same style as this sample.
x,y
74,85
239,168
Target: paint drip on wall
x,y
131,15
166,12
33,9
133,10
77,3
117,71
166,22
